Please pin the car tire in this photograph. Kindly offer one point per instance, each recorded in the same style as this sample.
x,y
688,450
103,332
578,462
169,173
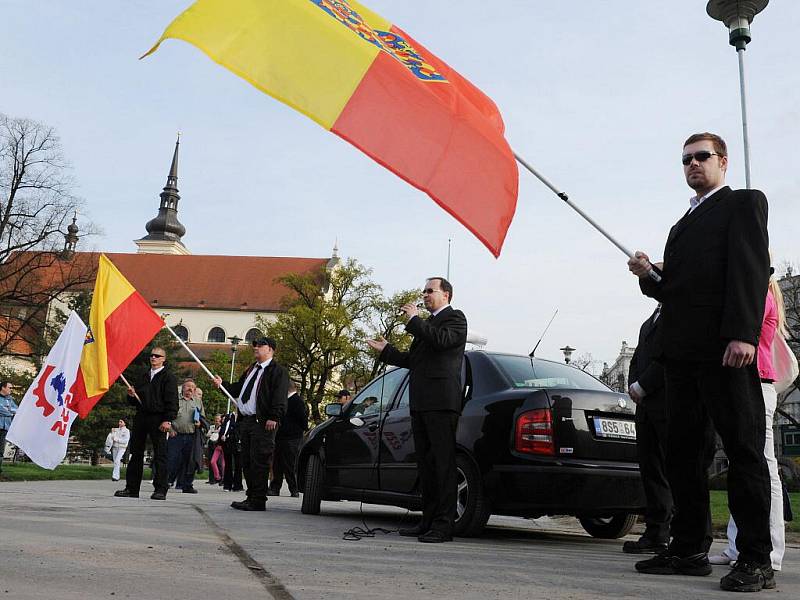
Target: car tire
x,y
312,494
608,528
472,508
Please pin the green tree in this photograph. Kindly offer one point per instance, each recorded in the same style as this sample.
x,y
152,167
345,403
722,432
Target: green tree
x,y
322,326
383,320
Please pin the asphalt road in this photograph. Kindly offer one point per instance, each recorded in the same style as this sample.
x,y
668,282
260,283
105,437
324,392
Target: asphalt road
x,y
70,540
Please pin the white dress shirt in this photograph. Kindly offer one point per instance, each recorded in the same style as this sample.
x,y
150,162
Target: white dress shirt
x,y
154,372
694,201
248,406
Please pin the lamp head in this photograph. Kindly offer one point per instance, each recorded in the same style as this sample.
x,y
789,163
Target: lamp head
x,y
737,16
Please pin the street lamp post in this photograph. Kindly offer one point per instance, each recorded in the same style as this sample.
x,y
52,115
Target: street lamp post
x,y
567,353
737,16
235,340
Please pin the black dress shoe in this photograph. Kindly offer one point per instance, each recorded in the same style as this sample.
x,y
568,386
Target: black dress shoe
x,y
237,489
414,531
667,563
644,546
189,490
748,577
158,496
238,504
435,537
251,506
126,493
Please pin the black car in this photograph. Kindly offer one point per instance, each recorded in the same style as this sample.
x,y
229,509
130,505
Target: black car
x,y
535,438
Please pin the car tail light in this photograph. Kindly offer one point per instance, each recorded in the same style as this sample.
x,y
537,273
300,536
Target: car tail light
x,y
534,432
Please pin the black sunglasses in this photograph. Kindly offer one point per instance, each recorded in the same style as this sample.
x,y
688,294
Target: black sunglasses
x,y
701,156
430,291
157,356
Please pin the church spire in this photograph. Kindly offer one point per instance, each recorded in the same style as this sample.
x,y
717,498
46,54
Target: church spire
x,y
164,232
70,238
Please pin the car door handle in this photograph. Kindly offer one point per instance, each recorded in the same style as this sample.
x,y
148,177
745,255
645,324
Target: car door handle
x,y
373,427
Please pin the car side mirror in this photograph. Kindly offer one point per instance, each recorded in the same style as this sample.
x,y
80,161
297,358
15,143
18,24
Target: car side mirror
x,y
333,410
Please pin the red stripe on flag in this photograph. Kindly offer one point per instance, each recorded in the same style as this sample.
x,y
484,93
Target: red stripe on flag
x,y
443,138
128,329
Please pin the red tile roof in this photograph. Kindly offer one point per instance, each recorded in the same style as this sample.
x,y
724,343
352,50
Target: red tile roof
x,y
199,281
212,282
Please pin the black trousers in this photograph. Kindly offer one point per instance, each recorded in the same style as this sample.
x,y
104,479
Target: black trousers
x,y
284,464
435,445
732,400
651,442
146,425
258,444
232,478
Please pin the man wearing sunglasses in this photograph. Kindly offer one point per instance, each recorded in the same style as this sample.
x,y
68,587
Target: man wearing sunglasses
x,y
435,398
714,285
156,401
261,397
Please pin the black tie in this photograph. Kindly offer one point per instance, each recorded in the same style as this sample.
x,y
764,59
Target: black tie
x,y
245,397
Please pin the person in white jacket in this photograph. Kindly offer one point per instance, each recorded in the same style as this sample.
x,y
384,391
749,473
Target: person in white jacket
x,y
117,443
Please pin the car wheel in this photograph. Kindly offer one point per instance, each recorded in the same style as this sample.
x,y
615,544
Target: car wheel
x,y
608,528
312,494
472,505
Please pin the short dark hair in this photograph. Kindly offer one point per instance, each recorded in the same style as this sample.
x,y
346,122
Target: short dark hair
x,y
719,144
5,382
343,393
445,286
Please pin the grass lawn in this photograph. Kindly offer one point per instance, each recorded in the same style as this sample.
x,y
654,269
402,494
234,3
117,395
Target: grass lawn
x,y
720,514
31,472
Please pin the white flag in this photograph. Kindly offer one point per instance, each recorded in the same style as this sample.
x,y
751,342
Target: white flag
x,y
43,420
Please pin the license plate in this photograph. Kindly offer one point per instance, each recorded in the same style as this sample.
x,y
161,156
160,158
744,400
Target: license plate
x,y
615,428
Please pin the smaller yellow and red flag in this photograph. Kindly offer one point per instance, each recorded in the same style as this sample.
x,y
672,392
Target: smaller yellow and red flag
x,y
121,323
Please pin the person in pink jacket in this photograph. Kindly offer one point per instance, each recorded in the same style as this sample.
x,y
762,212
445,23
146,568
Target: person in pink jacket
x,y
774,324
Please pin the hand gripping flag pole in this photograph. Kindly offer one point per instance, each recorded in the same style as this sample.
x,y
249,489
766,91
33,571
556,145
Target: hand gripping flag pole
x,y
563,195
202,366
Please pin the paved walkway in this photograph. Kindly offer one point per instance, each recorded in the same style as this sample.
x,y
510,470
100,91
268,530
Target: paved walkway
x,y
70,540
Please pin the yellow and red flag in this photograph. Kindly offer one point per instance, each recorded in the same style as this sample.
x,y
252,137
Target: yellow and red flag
x,y
121,323
366,80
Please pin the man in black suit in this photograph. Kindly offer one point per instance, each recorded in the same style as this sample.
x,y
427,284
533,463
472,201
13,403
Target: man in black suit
x,y
287,444
156,402
647,391
715,273
260,394
434,359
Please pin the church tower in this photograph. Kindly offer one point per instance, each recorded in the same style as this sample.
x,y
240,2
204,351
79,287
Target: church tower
x,y
164,232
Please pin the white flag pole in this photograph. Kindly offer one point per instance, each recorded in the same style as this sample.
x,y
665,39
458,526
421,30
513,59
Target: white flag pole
x,y
199,362
563,195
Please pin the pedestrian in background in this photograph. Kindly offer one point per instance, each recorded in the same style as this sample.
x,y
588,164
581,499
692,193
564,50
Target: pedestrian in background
x,y
8,408
117,444
287,444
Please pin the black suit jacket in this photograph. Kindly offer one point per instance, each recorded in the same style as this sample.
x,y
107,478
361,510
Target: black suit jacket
x,y
159,396
272,392
716,268
434,359
295,423
647,371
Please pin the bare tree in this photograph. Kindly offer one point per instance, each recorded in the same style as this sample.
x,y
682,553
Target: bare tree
x,y
36,205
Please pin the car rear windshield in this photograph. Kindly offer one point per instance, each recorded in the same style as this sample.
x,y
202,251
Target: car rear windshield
x,y
526,373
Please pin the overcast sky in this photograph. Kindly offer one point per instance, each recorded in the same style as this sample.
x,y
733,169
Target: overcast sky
x,y
598,95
